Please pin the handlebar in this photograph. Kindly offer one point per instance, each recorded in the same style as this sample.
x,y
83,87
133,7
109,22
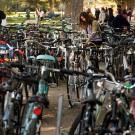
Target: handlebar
x,y
18,77
103,73
65,71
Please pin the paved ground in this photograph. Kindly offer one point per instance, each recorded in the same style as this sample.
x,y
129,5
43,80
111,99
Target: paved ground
x,y
50,117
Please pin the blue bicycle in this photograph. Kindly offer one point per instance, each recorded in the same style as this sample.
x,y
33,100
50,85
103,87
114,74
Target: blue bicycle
x,y
32,112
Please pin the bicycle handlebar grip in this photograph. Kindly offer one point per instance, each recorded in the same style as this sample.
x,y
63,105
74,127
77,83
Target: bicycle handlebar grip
x,y
65,71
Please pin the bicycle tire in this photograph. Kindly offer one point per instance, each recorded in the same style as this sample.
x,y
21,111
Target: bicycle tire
x,y
14,129
75,125
88,125
23,116
17,111
72,91
32,127
107,123
1,128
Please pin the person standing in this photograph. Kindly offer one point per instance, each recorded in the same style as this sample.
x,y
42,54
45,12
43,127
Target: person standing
x,y
37,15
97,12
89,12
27,14
102,16
129,14
110,17
2,17
90,26
41,14
120,21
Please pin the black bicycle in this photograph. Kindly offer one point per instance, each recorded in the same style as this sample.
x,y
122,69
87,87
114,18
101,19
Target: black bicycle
x,y
84,123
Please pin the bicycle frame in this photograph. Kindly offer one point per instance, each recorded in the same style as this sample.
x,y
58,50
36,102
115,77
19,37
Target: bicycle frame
x,y
8,119
87,114
42,90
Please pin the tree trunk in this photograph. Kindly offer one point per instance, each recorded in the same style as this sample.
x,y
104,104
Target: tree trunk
x,y
50,3
77,8
68,4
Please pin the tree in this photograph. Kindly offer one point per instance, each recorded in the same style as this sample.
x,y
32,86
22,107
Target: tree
x,y
50,3
77,8
68,7
73,8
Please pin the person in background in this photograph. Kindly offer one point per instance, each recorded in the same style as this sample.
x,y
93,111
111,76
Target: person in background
x,y
90,26
102,16
120,21
85,22
119,7
97,12
2,16
89,12
125,14
27,14
110,17
50,13
129,14
37,14
41,14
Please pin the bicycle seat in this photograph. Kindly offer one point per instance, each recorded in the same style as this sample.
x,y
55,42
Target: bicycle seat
x,y
45,57
32,57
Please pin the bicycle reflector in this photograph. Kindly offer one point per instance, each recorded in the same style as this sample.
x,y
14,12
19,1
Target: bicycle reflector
x,y
37,111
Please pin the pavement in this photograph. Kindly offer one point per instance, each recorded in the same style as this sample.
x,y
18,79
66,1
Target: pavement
x,y
50,115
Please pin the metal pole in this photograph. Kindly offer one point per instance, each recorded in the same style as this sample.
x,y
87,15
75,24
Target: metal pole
x,y
59,114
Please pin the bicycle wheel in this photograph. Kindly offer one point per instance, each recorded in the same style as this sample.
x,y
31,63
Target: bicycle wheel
x,y
32,128
13,116
17,112
80,126
1,128
29,125
109,125
26,111
74,130
72,90
87,123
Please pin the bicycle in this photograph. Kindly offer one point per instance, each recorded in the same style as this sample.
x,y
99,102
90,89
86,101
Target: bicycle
x,y
119,118
13,100
32,112
84,123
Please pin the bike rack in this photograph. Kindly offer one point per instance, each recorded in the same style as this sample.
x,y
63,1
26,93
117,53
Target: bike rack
x,y
59,114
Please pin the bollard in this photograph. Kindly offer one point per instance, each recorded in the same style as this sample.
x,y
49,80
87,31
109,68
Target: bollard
x,y
59,114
